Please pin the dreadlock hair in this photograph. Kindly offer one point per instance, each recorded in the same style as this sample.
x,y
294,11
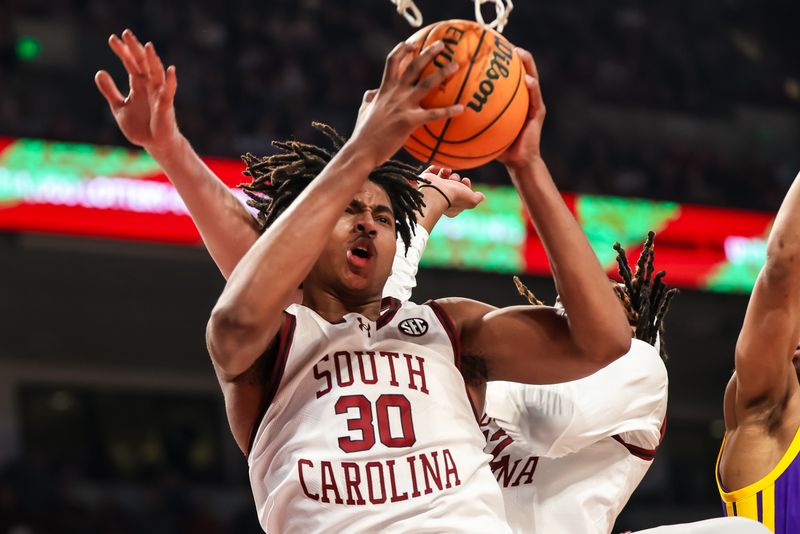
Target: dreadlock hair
x,y
277,180
646,298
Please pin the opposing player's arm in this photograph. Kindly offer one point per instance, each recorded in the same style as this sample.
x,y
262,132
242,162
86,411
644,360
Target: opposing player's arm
x,y
147,119
771,330
249,312
537,344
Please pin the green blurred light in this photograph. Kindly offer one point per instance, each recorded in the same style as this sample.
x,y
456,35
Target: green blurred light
x,y
28,48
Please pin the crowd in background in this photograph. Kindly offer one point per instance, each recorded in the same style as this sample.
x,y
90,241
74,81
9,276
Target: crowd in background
x,y
251,71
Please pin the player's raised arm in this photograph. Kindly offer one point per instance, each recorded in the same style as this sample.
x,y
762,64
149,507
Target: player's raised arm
x,y
249,311
537,344
147,119
768,341
446,193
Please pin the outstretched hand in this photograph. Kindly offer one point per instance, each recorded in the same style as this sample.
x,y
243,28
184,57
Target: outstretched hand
x,y
458,189
527,145
147,115
389,116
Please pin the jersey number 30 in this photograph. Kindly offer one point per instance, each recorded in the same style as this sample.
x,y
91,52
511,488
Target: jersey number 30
x,y
364,422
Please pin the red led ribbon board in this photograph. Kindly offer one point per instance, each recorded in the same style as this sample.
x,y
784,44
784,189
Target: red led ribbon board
x,y
113,192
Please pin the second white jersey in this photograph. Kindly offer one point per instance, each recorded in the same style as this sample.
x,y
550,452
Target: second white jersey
x,y
370,429
568,456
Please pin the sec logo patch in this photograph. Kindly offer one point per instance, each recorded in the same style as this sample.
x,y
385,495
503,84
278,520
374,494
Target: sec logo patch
x,y
413,327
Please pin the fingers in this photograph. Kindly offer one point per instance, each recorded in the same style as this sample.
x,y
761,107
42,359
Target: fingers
x,y
536,104
391,70
137,50
418,64
167,95
532,83
528,62
156,68
109,89
369,96
425,85
122,51
422,116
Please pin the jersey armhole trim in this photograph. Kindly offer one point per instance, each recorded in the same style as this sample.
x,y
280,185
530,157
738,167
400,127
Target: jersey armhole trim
x,y
640,452
286,337
450,328
455,341
732,496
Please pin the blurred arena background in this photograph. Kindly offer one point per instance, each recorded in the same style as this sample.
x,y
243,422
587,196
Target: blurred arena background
x,y
684,116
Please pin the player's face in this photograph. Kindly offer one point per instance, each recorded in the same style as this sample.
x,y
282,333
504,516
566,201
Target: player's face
x,y
357,259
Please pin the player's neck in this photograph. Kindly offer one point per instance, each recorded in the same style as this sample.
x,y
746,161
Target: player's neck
x,y
332,306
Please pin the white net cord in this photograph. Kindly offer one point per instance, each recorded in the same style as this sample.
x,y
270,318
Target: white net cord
x,y
410,11
502,9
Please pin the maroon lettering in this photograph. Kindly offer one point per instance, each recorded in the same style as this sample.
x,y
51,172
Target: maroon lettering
x,y
406,423
362,423
395,497
352,478
450,469
370,488
300,464
329,483
527,471
501,470
389,358
337,357
415,490
323,374
361,367
412,384
427,469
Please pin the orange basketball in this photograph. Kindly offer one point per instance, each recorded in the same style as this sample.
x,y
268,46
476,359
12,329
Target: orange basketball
x,y
491,86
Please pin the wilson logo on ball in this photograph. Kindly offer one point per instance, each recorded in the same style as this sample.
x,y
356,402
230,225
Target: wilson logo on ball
x,y
413,327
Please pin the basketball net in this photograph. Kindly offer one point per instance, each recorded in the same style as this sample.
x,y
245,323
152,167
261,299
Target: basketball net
x,y
502,9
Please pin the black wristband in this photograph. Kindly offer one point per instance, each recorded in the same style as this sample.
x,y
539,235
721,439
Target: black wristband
x,y
449,204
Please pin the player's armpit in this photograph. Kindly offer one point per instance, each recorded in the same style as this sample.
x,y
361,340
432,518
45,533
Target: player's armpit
x,y
528,344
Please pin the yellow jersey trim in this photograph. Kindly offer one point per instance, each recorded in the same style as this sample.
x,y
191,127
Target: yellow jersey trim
x,y
765,482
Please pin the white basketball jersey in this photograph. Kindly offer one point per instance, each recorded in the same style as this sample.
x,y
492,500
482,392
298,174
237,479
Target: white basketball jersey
x,y
370,429
568,456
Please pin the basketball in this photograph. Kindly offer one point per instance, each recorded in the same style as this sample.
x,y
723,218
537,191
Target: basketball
x,y
491,86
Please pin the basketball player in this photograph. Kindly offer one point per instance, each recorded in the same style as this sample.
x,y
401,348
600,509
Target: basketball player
x,y
758,473
568,456
314,462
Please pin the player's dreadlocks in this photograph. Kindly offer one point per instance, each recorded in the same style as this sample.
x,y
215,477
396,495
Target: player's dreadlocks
x,y
646,299
277,180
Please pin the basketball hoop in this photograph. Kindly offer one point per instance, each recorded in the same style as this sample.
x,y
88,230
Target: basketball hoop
x,y
410,11
502,9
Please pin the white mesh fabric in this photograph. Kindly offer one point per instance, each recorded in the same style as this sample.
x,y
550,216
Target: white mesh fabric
x,y
502,9
410,11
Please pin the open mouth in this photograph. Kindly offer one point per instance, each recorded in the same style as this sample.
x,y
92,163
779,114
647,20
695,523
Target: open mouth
x,y
361,252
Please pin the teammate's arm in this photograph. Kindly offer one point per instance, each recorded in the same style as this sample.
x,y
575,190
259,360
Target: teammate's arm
x,y
771,330
147,119
538,344
450,195
249,311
